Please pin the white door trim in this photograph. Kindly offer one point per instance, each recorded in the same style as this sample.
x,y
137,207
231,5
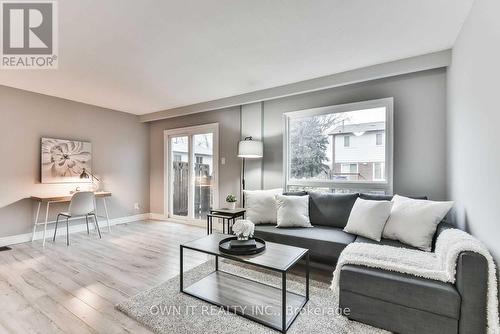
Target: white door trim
x,y
189,132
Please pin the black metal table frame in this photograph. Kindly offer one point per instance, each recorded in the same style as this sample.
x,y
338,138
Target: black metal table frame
x,y
284,327
225,217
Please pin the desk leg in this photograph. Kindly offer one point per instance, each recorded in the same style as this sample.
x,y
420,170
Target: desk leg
x,y
181,273
36,221
106,211
283,302
46,221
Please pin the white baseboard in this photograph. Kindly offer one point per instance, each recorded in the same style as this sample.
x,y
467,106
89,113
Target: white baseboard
x,y
20,238
192,222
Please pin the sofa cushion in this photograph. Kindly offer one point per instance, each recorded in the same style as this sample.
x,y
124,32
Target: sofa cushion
x,y
375,197
396,318
380,197
324,243
327,209
295,193
402,289
387,242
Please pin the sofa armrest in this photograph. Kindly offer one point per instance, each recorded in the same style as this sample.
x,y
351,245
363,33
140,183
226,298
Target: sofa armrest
x,y
442,226
472,284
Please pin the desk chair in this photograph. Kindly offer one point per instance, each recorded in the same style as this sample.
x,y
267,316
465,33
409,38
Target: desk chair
x,y
82,205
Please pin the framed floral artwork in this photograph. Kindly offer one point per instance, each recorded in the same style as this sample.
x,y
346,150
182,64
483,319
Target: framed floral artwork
x,y
64,160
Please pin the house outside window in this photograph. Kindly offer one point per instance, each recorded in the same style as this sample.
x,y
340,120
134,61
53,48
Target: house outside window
x,y
378,171
349,168
347,141
332,148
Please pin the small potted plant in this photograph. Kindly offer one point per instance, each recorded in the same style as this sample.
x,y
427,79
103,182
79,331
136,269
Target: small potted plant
x,y
231,201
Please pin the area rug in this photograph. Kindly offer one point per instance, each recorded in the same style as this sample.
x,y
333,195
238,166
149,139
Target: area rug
x,y
164,309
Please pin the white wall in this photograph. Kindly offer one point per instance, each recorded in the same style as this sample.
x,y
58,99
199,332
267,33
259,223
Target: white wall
x,y
473,125
119,153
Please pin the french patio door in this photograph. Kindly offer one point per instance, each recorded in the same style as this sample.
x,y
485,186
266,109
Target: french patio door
x,y
191,171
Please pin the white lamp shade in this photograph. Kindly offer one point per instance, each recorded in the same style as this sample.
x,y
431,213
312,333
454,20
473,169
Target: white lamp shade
x,y
250,149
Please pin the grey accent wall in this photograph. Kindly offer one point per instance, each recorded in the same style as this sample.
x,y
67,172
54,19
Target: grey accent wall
x,y
120,145
473,125
229,135
419,144
251,125
419,128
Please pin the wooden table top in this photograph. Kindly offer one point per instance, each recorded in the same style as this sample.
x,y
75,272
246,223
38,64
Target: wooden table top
x,y
227,211
275,256
65,198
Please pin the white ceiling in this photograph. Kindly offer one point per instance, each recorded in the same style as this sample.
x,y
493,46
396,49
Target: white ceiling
x,y
150,55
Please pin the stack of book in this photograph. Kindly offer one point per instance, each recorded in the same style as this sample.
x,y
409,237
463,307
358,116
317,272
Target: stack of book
x,y
243,244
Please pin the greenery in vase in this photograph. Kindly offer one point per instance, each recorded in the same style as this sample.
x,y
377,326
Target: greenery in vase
x,y
231,198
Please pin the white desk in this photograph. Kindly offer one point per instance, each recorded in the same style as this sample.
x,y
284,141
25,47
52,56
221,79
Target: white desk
x,y
62,199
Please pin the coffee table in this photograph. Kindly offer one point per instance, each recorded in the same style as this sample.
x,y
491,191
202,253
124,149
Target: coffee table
x,y
268,305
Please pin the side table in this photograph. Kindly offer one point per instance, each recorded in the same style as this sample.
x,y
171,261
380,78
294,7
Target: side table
x,y
226,215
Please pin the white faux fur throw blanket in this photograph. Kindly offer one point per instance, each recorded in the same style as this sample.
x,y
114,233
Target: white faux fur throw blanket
x,y
440,265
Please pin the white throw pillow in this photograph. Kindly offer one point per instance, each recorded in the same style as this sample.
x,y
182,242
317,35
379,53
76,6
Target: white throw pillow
x,y
414,221
293,211
261,206
368,218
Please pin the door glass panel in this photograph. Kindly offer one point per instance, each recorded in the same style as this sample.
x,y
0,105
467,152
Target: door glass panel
x,y
203,174
180,175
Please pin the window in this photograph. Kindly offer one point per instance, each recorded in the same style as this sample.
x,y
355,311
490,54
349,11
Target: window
x,y
378,171
347,141
349,168
177,157
319,152
199,160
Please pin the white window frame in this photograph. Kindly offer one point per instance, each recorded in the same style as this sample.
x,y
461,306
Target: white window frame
x,y
385,185
189,132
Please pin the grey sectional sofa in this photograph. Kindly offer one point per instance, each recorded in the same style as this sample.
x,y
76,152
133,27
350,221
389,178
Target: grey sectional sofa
x,y
389,300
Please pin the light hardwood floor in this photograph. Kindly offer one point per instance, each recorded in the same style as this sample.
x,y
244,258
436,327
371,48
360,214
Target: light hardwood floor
x,y
60,289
